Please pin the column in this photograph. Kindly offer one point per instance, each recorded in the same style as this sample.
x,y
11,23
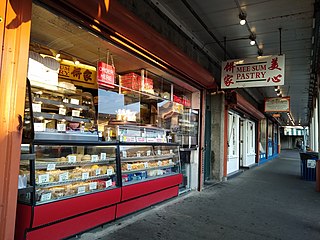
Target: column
x,y
14,38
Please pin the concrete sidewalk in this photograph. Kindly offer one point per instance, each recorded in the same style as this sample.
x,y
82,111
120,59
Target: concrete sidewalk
x,y
266,202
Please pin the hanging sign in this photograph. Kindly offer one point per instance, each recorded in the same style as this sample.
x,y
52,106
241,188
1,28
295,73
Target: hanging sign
x,y
81,73
277,104
254,72
106,75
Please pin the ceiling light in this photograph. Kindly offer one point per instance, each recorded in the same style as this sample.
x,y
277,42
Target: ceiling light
x,y
242,16
75,61
276,88
252,38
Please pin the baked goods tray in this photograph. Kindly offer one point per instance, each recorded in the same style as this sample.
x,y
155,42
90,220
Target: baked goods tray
x,y
148,179
43,163
53,184
148,169
58,103
147,158
76,195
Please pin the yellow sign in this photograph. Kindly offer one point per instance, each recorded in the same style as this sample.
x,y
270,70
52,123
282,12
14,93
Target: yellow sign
x,y
80,73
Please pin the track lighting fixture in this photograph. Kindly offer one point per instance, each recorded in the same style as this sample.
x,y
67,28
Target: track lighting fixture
x,y
260,52
276,88
242,16
252,38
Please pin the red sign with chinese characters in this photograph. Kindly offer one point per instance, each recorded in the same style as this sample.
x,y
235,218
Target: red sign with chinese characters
x,y
105,75
254,72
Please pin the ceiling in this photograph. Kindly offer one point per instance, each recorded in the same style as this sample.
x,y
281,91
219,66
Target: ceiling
x,y
208,22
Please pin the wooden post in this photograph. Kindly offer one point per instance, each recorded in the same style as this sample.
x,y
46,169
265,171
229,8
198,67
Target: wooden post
x,y
14,39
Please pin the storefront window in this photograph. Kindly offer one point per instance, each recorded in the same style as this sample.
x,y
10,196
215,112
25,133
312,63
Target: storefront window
x,y
263,136
123,89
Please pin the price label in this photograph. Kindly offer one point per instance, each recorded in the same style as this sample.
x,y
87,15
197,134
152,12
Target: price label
x,y
171,151
159,140
36,107
141,139
62,111
85,176
51,166
63,177
159,163
138,154
45,197
129,139
98,171
43,178
61,127
92,185
94,158
39,127
159,152
109,171
66,100
148,152
81,189
146,164
72,159
151,140
74,101
170,161
75,113
103,156
129,167
109,183
124,154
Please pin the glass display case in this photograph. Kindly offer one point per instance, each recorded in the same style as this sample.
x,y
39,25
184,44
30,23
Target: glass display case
x,y
134,133
146,162
64,171
186,132
61,112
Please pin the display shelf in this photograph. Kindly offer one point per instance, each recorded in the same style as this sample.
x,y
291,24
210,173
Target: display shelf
x,y
147,158
44,164
76,195
26,190
149,178
60,117
50,89
147,169
60,104
26,156
54,184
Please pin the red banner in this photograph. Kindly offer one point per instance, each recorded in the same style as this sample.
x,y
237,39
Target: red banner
x,y
105,75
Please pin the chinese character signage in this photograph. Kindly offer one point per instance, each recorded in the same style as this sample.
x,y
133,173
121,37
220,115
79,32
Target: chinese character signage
x,y
79,73
277,104
105,75
262,72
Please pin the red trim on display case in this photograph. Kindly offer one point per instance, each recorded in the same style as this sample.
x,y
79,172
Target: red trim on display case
x,y
145,201
23,220
51,212
139,189
73,226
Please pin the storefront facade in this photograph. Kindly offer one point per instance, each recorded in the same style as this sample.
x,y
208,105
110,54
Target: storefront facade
x,y
243,134
177,83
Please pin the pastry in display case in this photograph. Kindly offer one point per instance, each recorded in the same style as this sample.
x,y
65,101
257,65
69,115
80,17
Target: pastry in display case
x,y
62,112
64,171
147,162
